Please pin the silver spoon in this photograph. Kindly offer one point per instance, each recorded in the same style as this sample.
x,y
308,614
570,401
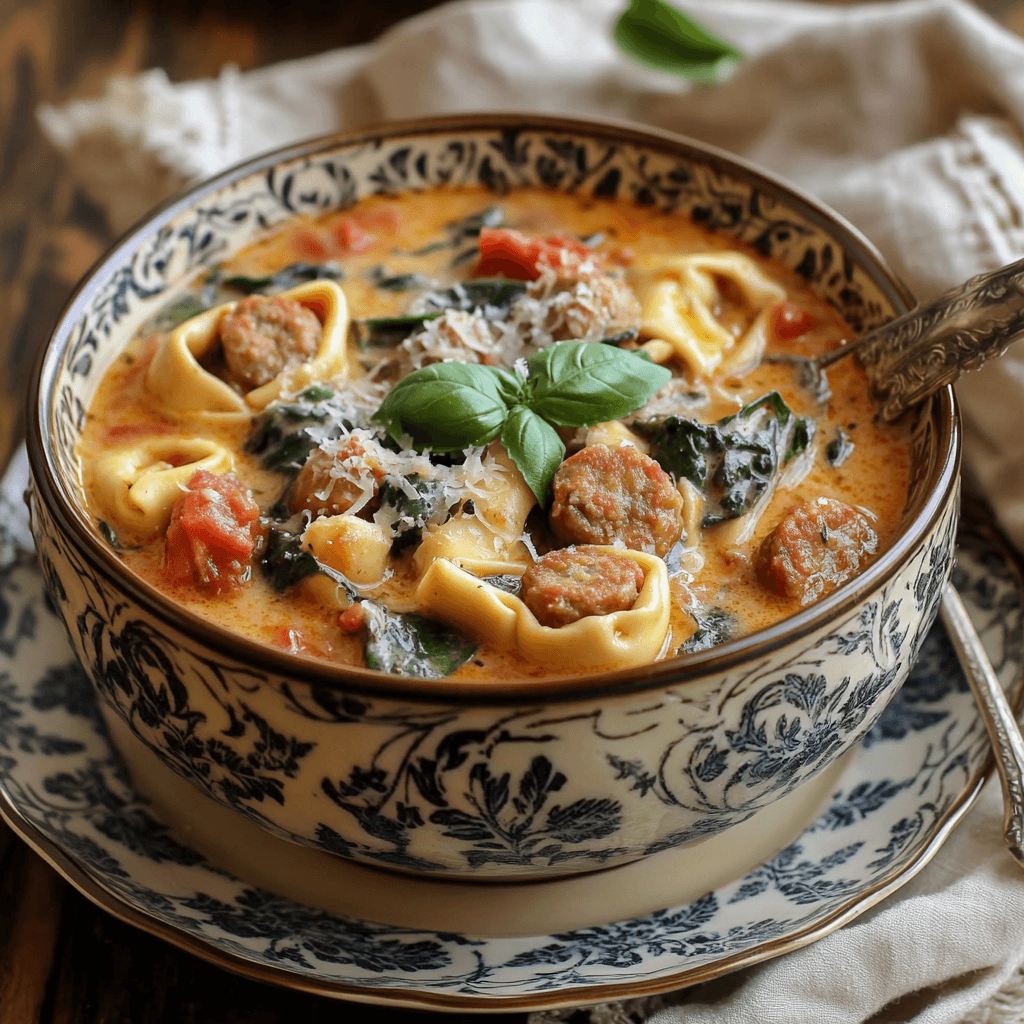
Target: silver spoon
x,y
1003,730
914,355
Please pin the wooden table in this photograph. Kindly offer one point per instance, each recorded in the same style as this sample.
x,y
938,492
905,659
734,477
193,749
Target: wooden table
x,y
63,961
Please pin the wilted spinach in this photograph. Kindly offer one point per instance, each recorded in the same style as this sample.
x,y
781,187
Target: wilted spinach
x,y
291,276
839,448
285,562
410,645
736,461
429,504
286,433
714,627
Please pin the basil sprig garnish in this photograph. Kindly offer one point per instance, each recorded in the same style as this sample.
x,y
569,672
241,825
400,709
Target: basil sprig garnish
x,y
660,36
448,407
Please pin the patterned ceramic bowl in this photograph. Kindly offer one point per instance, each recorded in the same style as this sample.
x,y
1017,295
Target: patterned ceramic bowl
x,y
541,777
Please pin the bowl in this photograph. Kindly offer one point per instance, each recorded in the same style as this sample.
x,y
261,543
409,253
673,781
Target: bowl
x,y
483,779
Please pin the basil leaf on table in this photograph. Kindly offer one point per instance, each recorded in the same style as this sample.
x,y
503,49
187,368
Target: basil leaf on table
x,y
662,37
535,447
448,407
575,384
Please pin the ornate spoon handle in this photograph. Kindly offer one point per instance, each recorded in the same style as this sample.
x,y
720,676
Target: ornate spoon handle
x,y
914,355
1003,730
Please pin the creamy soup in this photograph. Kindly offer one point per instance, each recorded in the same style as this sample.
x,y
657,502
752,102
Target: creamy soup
x,y
443,433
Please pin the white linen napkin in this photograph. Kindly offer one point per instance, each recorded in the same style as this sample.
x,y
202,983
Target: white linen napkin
x,y
906,117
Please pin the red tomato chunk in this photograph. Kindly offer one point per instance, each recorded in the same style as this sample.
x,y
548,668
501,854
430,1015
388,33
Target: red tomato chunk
x,y
789,320
507,253
212,533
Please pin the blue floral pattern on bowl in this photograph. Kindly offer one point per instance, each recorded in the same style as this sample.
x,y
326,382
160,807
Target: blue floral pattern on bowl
x,y
505,788
922,763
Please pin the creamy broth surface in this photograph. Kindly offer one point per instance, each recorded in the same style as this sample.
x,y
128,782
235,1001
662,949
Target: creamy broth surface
x,y
382,242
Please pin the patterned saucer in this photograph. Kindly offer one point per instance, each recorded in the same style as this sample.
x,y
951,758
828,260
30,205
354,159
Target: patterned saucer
x,y
884,814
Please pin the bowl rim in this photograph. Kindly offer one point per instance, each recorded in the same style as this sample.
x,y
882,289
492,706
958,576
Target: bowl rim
x,y
686,669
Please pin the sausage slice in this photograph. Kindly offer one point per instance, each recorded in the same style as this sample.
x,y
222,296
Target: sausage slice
x,y
814,548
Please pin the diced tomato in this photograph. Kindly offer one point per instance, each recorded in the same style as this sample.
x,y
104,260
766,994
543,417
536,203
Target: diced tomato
x,y
310,245
789,320
351,237
351,619
212,533
297,641
383,219
508,253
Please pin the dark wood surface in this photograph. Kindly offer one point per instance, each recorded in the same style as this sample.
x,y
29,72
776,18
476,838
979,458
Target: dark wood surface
x,y
62,960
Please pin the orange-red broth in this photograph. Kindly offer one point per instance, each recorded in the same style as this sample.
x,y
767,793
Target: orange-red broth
x,y
385,231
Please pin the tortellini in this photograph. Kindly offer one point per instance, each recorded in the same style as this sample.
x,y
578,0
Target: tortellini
x,y
678,296
137,484
358,549
492,530
180,385
620,639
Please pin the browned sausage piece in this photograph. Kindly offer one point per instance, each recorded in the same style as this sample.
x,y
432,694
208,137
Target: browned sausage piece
x,y
814,548
572,583
603,495
330,483
586,302
263,335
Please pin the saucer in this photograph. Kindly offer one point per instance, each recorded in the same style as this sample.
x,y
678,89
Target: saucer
x,y
805,869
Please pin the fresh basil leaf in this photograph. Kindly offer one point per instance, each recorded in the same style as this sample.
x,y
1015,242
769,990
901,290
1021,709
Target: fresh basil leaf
x,y
410,645
449,406
535,447
577,384
660,36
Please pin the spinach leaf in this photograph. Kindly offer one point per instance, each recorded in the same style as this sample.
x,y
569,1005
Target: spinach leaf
x,y
508,582
429,504
464,230
177,312
396,282
477,293
291,276
662,37
388,331
714,627
736,462
286,433
410,645
285,561
492,296
839,448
